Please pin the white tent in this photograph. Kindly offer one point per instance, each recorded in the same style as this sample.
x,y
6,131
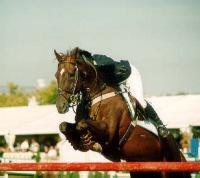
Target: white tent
x,y
178,111
32,120
43,120
175,111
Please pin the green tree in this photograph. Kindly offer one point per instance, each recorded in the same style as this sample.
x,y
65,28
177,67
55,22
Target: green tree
x,y
47,95
15,96
13,89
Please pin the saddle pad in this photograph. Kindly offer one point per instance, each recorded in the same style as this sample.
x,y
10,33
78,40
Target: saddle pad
x,y
148,126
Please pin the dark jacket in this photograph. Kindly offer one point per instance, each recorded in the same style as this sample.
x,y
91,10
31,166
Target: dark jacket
x,y
114,72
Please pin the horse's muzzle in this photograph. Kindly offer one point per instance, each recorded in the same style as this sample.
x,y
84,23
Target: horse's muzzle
x,y
62,105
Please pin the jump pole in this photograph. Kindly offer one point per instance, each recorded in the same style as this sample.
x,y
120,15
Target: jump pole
x,y
114,166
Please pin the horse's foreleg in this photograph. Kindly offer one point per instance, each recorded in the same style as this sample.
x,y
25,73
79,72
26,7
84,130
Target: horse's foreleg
x,y
98,128
71,134
68,129
93,133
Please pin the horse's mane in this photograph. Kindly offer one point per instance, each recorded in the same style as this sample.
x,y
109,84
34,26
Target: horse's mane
x,y
74,53
79,52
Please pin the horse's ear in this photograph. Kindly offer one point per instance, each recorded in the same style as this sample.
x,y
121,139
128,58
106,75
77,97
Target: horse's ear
x,y
76,52
58,56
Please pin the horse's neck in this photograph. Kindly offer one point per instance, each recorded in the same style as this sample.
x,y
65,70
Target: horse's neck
x,y
98,88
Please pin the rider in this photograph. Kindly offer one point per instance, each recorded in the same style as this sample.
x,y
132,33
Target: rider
x,y
122,73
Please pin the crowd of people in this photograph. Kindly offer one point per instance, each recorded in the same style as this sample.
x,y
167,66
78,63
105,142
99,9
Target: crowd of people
x,y
31,146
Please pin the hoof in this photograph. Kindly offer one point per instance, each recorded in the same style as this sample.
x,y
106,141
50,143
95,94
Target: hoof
x,y
97,147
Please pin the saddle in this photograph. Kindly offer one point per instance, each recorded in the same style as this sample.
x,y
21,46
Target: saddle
x,y
138,116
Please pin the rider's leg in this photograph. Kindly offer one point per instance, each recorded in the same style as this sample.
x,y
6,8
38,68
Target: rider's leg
x,y
151,113
135,84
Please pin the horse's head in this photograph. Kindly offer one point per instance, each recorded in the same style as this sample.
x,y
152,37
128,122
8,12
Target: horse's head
x,y
73,74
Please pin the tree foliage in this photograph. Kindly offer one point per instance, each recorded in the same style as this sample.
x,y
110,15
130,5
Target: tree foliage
x,y
14,97
47,95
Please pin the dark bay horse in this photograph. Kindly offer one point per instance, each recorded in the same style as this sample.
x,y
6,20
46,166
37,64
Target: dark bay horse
x,y
103,122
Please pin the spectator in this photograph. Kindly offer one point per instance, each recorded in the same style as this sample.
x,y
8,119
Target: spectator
x,y
46,149
34,146
185,141
52,153
25,145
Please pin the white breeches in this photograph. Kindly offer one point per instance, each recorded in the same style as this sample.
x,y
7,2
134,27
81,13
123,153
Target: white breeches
x,y
134,82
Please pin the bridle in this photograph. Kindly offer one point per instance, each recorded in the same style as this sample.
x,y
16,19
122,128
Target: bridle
x,y
74,98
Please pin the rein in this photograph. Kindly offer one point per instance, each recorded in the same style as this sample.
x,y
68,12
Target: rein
x,y
95,81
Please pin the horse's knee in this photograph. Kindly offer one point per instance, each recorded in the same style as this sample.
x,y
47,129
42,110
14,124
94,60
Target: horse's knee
x,y
81,126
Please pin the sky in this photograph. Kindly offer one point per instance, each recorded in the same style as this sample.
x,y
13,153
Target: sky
x,y
160,37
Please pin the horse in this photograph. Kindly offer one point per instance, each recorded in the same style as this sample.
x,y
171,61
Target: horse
x,y
103,122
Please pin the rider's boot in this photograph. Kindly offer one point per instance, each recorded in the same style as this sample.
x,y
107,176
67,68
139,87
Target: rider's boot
x,y
152,115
